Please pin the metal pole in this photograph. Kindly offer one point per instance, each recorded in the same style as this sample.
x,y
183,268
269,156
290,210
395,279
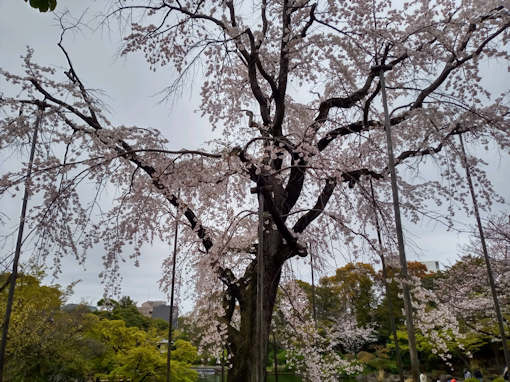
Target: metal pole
x,y
313,290
223,350
275,349
259,302
492,284
19,242
415,365
172,290
222,365
260,291
387,287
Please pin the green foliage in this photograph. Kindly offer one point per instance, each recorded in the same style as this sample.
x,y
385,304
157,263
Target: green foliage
x,y
181,372
498,379
125,310
47,343
43,5
131,316
44,342
356,285
327,299
281,358
134,353
116,335
159,324
351,288
139,363
379,359
382,311
428,358
184,352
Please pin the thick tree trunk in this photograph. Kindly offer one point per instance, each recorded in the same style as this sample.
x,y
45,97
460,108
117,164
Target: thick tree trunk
x,y
242,343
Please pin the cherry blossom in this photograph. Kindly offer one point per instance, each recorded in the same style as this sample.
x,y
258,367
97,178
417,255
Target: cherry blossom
x,y
292,88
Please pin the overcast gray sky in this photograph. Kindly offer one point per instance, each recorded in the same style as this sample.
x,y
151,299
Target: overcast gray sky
x,y
129,91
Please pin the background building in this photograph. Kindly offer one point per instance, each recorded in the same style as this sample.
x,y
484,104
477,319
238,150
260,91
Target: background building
x,y
432,266
148,306
159,309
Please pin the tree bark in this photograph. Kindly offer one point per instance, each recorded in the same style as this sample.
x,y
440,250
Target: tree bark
x,y
242,343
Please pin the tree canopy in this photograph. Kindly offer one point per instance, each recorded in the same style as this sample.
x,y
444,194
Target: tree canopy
x,y
293,87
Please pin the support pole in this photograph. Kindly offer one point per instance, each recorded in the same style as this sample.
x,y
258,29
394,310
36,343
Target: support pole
x,y
172,291
387,287
275,349
314,310
260,291
222,365
259,311
490,276
415,365
19,242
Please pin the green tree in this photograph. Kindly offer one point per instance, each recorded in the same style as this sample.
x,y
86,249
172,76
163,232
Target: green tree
x,y
355,282
184,352
45,343
134,353
125,309
328,300
381,312
351,289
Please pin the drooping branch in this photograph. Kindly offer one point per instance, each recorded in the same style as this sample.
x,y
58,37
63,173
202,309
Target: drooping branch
x,y
72,75
454,63
87,119
310,21
124,150
344,102
294,185
355,127
352,177
323,199
368,103
356,96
